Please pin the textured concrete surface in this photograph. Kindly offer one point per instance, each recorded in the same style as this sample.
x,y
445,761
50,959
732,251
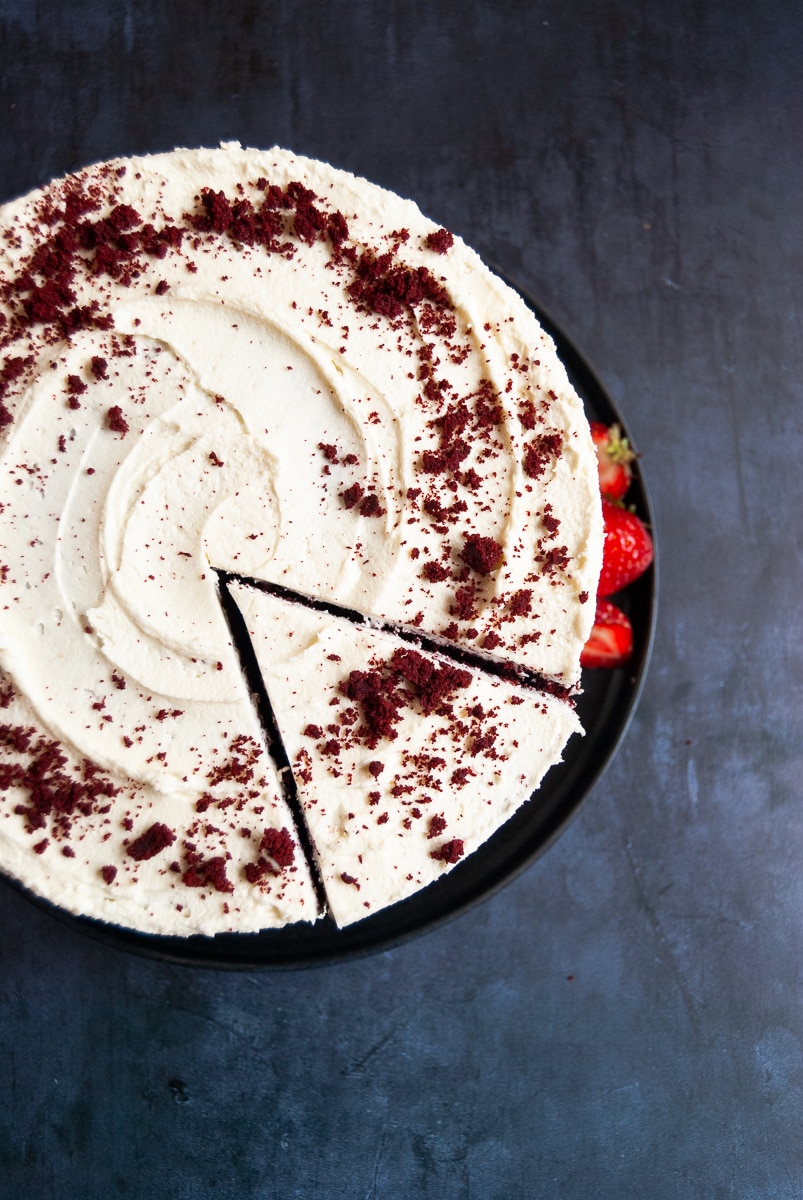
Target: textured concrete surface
x,y
625,1019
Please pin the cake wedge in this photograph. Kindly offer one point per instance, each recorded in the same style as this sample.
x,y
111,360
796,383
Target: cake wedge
x,y
403,766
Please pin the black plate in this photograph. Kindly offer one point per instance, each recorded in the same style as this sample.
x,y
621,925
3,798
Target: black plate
x,y
605,709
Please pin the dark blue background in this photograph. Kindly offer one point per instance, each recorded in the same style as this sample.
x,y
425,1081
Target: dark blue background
x,y
625,1019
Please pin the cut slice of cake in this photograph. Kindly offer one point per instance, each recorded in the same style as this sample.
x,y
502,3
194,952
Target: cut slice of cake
x,y
404,764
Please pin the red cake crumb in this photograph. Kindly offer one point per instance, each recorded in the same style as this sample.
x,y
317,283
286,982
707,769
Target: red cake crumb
x,y
436,826
386,286
482,554
13,369
556,559
53,794
217,213
109,873
464,606
370,506
520,603
433,508
256,872
434,684
438,462
380,704
406,678
550,522
435,572
116,421
450,852
484,743
489,410
540,453
210,872
75,385
352,494
440,241
279,845
151,842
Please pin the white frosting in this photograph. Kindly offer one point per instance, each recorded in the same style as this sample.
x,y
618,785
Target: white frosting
x,y
256,390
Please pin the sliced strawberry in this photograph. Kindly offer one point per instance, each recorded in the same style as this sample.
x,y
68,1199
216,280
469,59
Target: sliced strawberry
x,y
627,550
614,457
610,643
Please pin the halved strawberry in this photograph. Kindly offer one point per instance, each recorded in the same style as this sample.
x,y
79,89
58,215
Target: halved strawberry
x,y
626,552
614,457
610,643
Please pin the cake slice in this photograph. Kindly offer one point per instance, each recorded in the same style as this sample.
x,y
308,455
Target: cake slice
x,y
404,765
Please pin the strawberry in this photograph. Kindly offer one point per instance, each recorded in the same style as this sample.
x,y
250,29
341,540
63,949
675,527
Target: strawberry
x,y
614,457
627,550
610,643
